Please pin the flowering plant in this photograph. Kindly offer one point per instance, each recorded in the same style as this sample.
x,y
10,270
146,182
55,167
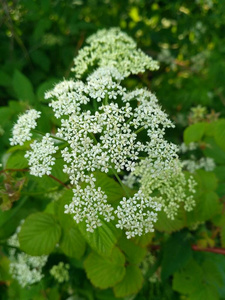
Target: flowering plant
x,y
105,128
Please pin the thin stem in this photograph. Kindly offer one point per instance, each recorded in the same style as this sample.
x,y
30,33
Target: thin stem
x,y
139,130
120,182
105,101
52,136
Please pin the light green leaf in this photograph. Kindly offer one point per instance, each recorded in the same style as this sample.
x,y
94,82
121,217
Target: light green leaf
x,y
165,224
103,239
72,242
195,132
39,234
17,160
105,272
133,253
131,283
23,87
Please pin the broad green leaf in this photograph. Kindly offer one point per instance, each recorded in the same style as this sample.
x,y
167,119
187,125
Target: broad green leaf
x,y
112,189
165,224
39,234
103,239
188,279
144,239
17,161
220,134
105,272
72,242
208,206
214,151
205,292
23,87
195,132
206,181
212,274
176,252
131,283
133,253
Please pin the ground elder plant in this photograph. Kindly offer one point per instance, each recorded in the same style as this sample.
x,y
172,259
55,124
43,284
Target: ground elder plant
x,y
106,128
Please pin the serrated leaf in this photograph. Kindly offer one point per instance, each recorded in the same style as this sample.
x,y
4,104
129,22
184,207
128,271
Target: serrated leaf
x,y
105,272
167,225
72,242
39,234
133,253
23,87
103,239
131,283
195,132
176,253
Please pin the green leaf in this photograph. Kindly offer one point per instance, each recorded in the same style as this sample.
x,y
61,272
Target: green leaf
x,y
39,234
165,224
188,279
176,252
17,161
112,189
72,242
105,272
206,181
44,87
144,239
133,253
220,134
131,283
5,79
103,239
205,292
214,151
23,87
195,132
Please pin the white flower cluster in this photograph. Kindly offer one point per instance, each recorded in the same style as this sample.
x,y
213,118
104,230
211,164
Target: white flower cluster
x,y
105,128
60,272
113,48
22,129
40,158
206,163
89,203
24,268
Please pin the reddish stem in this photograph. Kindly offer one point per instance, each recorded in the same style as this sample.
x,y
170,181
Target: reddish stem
x,y
208,249
197,248
27,170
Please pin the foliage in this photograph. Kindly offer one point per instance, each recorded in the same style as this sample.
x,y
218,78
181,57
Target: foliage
x,y
45,254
